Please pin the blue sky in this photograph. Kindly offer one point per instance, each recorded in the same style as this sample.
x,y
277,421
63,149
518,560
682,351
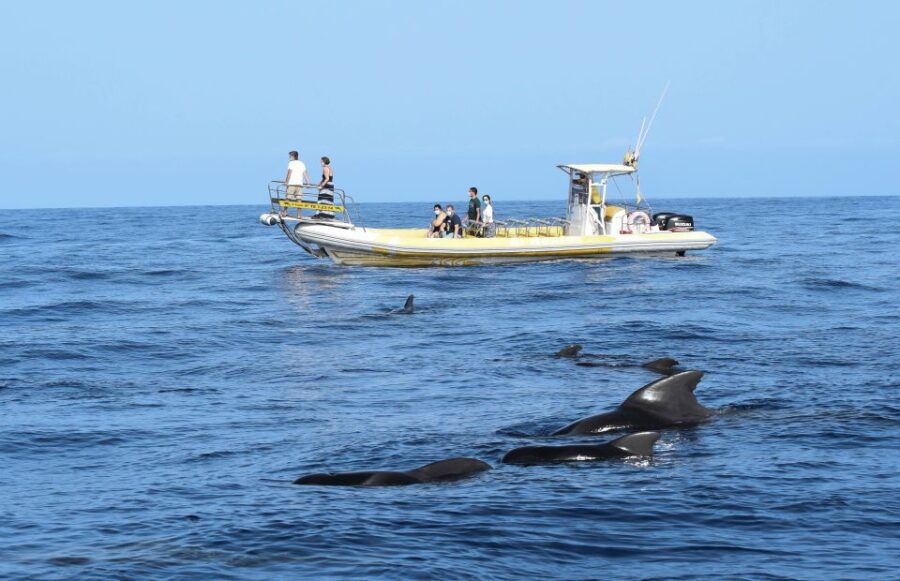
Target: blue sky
x,y
112,104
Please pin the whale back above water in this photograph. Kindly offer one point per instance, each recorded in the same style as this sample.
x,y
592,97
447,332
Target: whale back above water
x,y
668,401
441,471
572,350
640,444
366,478
666,365
450,469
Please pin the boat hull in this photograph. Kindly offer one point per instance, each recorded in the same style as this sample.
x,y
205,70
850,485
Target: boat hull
x,y
411,248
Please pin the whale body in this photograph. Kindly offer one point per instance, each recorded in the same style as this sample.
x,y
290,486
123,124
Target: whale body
x,y
663,366
640,444
669,401
441,471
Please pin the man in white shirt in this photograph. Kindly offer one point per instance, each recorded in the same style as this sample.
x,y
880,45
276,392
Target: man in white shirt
x,y
295,179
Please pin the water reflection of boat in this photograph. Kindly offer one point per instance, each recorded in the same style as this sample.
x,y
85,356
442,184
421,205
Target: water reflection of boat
x,y
591,228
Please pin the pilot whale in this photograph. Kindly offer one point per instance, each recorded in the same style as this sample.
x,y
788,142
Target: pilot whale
x,y
664,366
441,471
408,308
640,444
571,351
669,401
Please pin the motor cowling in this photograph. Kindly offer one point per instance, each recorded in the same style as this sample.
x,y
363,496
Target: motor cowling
x,y
673,222
269,219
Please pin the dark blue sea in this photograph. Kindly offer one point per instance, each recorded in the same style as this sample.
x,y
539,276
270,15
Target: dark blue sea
x,y
165,373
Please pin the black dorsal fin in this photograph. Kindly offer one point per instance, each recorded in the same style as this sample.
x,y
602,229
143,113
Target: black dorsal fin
x,y
640,444
670,398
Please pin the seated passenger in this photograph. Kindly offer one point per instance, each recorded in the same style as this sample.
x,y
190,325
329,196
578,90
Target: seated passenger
x,y
436,228
452,224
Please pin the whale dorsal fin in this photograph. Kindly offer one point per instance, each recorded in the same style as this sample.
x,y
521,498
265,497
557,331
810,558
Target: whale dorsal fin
x,y
670,398
640,444
408,307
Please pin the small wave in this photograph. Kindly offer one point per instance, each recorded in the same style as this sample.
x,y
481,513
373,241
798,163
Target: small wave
x,y
56,354
15,284
33,442
66,561
207,456
87,275
71,383
751,405
834,284
4,237
66,307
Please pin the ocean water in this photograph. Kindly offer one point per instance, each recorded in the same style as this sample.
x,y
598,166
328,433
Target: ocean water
x,y
165,373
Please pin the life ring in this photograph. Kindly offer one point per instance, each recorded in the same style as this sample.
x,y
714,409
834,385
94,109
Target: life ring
x,y
638,218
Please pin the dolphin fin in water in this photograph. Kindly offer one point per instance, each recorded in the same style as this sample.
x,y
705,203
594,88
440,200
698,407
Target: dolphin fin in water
x,y
668,401
441,471
640,444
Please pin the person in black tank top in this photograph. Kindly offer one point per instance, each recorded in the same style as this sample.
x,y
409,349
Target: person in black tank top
x,y
326,188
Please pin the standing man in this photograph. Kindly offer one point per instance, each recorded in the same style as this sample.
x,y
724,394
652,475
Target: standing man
x,y
296,178
474,208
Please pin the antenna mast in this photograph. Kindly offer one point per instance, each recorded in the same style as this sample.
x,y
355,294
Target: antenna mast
x,y
642,136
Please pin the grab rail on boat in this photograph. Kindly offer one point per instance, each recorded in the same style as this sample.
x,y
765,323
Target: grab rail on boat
x,y
530,227
343,209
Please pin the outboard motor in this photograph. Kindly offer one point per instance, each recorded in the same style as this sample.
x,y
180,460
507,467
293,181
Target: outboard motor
x,y
269,219
674,222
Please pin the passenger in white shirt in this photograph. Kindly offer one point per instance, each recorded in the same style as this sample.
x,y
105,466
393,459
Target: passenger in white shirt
x,y
487,216
296,178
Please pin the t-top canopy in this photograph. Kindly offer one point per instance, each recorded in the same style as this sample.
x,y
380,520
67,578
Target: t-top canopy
x,y
589,168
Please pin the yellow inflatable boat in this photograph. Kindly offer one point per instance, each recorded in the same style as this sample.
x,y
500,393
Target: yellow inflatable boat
x,y
591,229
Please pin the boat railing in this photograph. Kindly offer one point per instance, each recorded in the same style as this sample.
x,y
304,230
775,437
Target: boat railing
x,y
530,227
312,205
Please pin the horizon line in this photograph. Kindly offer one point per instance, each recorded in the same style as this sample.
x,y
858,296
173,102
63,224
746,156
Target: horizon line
x,y
748,197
